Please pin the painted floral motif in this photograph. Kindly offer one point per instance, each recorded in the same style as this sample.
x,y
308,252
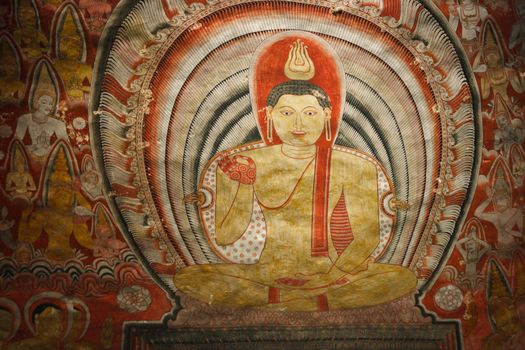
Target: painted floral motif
x,y
134,299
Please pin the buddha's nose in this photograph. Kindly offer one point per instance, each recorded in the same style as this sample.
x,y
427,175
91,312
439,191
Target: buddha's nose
x,y
298,122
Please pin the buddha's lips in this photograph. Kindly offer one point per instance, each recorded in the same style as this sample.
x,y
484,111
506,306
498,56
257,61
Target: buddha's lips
x,y
298,133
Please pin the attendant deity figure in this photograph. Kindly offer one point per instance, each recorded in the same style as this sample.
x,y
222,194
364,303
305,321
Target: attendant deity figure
x,y
507,219
517,164
91,180
509,131
19,183
471,15
64,214
472,249
69,62
28,35
106,243
503,314
495,75
517,36
316,205
11,87
41,126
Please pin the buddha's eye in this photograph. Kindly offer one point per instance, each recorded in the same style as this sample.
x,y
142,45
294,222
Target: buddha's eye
x,y
310,112
286,112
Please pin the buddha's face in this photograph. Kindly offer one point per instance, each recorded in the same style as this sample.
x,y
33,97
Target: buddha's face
x,y
71,48
501,202
493,59
44,105
470,245
298,120
502,121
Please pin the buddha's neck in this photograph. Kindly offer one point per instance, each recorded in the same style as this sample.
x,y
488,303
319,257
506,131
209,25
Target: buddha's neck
x,y
298,152
39,117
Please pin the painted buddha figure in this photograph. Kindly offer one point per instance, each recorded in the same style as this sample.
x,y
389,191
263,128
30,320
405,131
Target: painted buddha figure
x,y
497,77
28,35
64,214
315,201
11,86
19,183
41,125
49,323
69,62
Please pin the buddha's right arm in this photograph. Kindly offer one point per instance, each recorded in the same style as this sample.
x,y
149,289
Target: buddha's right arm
x,y
21,127
233,208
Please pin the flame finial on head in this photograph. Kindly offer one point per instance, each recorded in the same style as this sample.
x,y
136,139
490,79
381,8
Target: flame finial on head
x,y
299,65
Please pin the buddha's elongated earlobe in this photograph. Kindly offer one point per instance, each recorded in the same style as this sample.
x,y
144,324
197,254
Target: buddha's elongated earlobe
x,y
269,124
328,124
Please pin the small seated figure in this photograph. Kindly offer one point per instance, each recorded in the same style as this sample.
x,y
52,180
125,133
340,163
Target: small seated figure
x,y
64,214
41,126
29,35
91,180
11,86
318,204
106,245
69,63
19,183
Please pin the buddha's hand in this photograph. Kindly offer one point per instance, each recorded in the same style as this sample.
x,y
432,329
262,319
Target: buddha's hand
x,y
239,168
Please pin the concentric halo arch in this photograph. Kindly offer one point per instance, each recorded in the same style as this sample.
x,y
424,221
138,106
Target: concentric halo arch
x,y
174,92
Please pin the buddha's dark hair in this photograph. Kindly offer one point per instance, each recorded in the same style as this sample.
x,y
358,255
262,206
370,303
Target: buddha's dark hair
x,y
298,88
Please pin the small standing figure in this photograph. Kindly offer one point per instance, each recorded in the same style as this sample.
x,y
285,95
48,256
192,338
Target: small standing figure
x,y
517,37
41,125
65,213
517,164
470,14
509,131
19,183
496,75
472,249
507,220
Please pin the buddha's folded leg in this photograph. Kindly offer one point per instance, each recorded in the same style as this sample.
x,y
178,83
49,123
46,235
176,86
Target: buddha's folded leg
x,y
224,284
379,284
